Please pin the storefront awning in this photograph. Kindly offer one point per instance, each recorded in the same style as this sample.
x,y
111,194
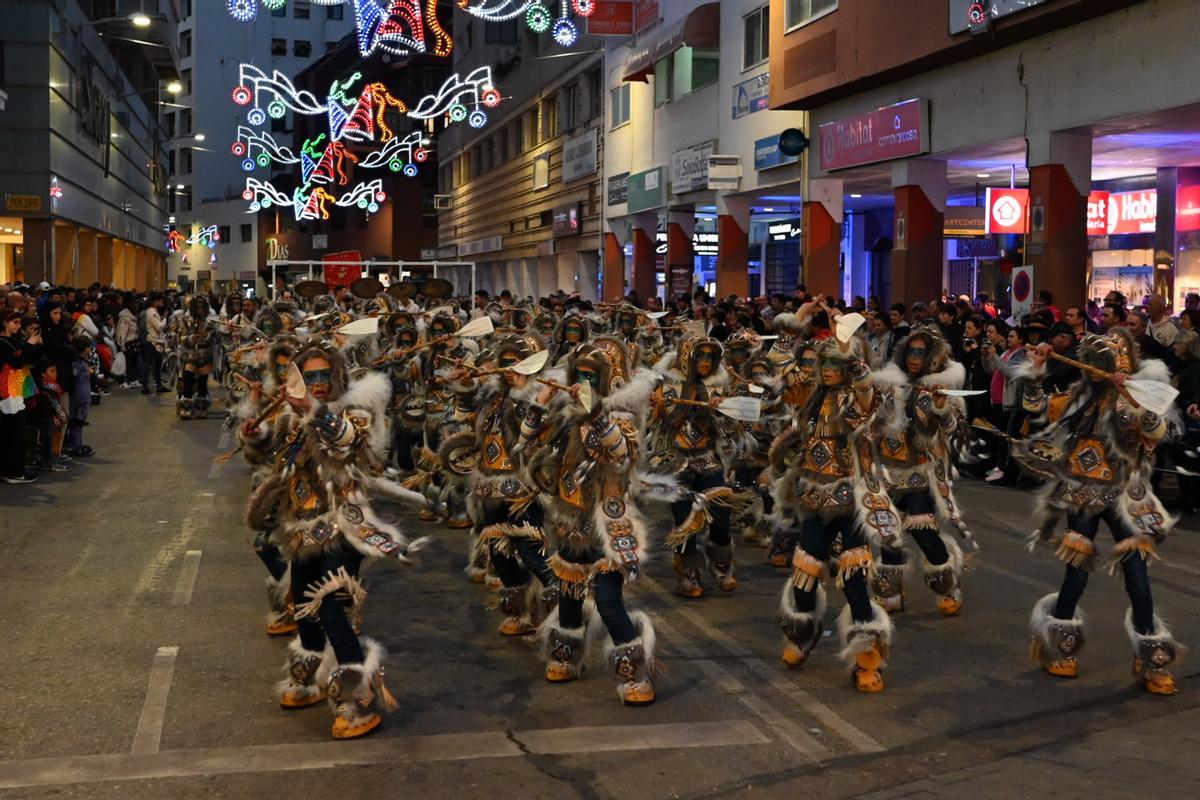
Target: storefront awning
x,y
700,28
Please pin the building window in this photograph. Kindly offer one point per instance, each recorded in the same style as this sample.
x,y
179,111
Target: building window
x,y
279,47
503,143
171,125
303,9
247,233
619,105
185,161
595,94
573,100
756,37
301,48
185,43
281,11
500,32
518,136
171,163
330,45
693,68
187,81
663,80
550,121
334,12
224,233
185,122
802,12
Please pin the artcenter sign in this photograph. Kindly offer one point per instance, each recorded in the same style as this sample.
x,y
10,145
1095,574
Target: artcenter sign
x,y
899,131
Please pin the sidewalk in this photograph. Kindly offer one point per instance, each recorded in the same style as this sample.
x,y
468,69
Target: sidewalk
x,y
1148,758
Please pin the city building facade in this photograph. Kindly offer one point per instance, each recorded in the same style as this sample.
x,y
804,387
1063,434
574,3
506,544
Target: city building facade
x,y
83,175
207,180
521,197
969,139
699,194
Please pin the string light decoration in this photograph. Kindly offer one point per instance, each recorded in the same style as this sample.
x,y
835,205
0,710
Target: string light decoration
x,y
243,10
207,236
399,27
537,15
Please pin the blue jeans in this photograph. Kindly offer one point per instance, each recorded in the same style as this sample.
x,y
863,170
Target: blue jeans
x,y
930,542
816,539
610,605
1137,577
531,557
333,620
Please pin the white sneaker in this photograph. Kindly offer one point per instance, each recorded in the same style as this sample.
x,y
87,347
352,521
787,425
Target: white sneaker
x,y
994,475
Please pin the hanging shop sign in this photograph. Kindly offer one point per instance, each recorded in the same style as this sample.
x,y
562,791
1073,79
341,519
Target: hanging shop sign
x,y
1022,291
1131,212
974,15
898,131
784,230
767,154
751,95
1187,208
618,188
611,18
276,251
645,14
645,190
1097,214
689,168
23,202
1007,211
963,221
579,156
566,219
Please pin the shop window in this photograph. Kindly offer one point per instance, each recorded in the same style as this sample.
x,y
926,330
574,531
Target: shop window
x,y
247,232
225,234
302,10
756,37
619,105
694,68
301,48
279,47
802,12
663,81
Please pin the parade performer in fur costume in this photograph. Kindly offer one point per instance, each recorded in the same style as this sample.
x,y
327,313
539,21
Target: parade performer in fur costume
x,y
687,440
1096,454
830,485
596,530
196,333
913,445
328,469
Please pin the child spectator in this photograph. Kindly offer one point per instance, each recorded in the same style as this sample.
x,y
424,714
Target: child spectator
x,y
50,413
85,371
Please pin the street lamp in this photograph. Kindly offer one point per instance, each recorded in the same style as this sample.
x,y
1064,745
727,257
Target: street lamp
x,y
140,20
174,87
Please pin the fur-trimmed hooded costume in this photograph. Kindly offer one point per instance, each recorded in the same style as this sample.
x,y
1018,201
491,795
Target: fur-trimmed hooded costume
x,y
915,423
1096,450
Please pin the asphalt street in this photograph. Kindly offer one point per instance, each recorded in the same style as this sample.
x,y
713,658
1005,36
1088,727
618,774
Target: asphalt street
x,y
136,666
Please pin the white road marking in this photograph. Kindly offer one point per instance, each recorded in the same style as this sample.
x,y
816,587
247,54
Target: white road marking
x,y
148,735
852,735
1190,570
84,555
187,578
61,770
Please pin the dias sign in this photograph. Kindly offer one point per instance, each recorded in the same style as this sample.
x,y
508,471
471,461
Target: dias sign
x,y
1007,211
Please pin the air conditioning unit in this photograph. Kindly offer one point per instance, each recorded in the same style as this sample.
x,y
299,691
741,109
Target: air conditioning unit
x,y
724,172
443,202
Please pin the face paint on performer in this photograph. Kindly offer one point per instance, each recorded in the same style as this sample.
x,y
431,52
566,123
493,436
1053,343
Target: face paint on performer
x,y
706,361
585,373
808,362
573,333
833,371
626,323
318,377
914,358
269,327
281,367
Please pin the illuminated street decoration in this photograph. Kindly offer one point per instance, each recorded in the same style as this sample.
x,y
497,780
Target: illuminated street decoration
x,y
356,117
243,10
207,236
536,13
400,27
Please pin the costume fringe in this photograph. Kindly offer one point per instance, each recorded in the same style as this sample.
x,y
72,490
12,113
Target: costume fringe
x,y
1138,544
921,522
332,582
503,534
806,571
574,578
1076,550
856,559
696,521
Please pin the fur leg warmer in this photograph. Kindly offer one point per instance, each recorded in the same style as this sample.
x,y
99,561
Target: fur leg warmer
x,y
1056,643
